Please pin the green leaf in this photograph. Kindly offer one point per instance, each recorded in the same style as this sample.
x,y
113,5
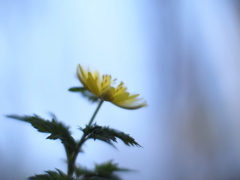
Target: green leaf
x,y
57,129
52,175
85,93
108,135
109,166
104,171
83,172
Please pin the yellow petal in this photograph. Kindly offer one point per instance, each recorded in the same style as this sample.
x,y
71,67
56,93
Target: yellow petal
x,y
132,106
97,79
106,81
120,88
95,74
92,84
121,97
131,98
81,73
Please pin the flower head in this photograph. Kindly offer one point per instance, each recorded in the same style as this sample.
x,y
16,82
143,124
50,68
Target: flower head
x,y
101,86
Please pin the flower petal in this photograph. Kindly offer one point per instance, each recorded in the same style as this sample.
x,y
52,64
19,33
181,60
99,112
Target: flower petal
x,y
106,81
120,88
81,73
121,97
131,105
92,85
97,79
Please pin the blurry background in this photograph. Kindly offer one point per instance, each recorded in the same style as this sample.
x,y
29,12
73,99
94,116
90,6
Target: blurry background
x,y
181,56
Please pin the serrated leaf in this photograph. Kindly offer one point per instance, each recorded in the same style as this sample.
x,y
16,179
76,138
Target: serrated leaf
x,y
57,129
109,166
85,93
107,170
108,135
51,175
104,171
83,172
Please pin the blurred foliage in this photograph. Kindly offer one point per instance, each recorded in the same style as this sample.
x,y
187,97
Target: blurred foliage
x,y
85,93
104,171
52,175
57,129
108,135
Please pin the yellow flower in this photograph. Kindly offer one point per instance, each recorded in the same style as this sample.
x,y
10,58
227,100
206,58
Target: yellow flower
x,y
103,89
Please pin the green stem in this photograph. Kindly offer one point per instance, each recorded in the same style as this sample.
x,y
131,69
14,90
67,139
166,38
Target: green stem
x,y
72,158
95,113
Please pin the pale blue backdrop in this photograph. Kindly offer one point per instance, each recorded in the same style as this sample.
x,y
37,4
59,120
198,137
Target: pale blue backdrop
x,y
181,56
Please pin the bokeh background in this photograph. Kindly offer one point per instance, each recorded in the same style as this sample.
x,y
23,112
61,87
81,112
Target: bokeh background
x,y
182,56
